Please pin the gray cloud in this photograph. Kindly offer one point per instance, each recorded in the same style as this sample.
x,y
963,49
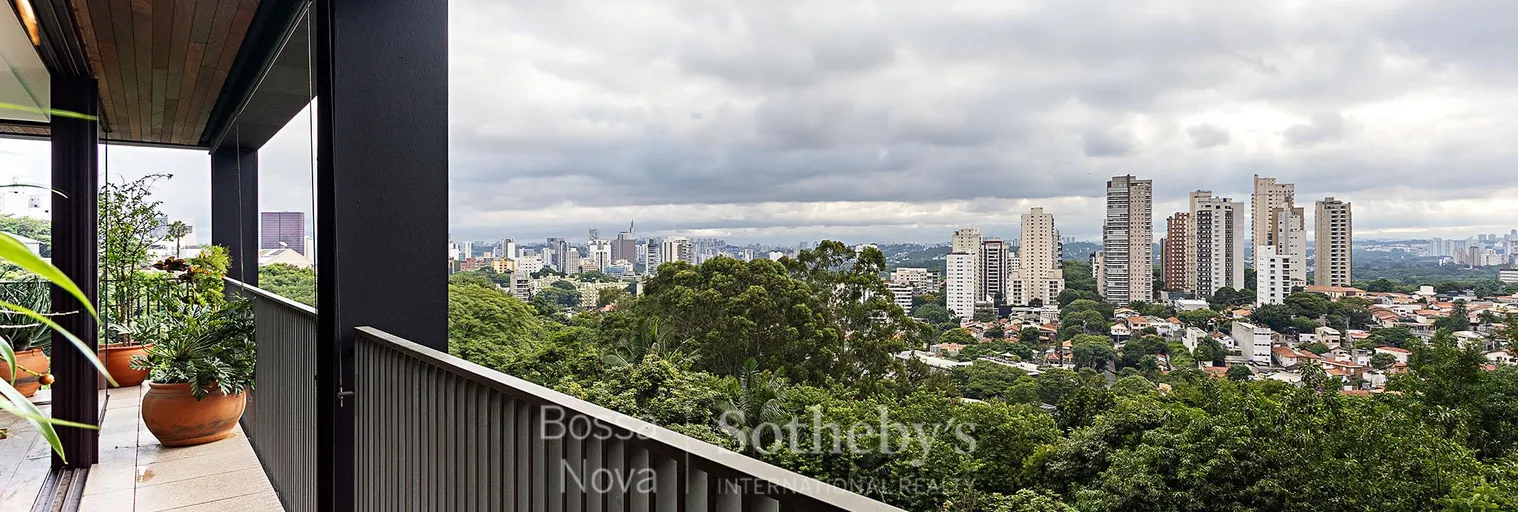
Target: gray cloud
x,y
1106,143
781,120
1205,136
1322,129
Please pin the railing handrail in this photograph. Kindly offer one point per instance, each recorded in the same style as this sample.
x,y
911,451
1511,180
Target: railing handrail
x,y
724,462
268,295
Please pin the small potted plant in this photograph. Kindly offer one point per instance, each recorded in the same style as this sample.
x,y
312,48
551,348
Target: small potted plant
x,y
200,364
24,339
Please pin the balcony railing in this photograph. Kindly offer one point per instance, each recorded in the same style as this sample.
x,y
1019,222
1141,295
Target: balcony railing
x,y
436,432
280,420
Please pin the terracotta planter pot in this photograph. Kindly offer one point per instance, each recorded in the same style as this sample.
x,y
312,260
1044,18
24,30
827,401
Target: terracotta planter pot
x,y
173,415
34,366
118,358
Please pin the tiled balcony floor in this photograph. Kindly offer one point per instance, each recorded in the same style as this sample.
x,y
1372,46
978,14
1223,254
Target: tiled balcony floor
x,y
24,462
135,473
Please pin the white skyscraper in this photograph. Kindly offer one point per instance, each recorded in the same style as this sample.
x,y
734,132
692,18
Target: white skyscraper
x,y
967,241
1272,275
1128,241
1268,195
599,253
1214,253
961,290
1290,240
675,248
1334,229
508,249
1038,275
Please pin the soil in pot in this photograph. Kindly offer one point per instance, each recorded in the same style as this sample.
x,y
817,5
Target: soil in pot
x,y
176,418
118,359
34,366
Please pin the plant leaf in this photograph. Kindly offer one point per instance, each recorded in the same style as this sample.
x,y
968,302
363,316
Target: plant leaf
x,y
12,250
49,111
89,352
10,358
20,406
29,185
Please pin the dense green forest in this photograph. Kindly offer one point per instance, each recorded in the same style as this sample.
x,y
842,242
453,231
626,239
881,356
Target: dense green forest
x,y
810,339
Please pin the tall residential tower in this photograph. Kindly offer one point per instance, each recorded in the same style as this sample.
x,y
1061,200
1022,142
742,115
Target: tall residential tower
x,y
1038,275
994,270
1333,255
1268,195
1128,241
1214,253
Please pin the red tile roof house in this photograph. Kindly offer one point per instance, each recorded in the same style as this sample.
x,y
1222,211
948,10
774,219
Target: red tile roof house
x,y
1288,357
1400,353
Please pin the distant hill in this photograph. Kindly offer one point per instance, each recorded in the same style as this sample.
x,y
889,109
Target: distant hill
x,y
1081,251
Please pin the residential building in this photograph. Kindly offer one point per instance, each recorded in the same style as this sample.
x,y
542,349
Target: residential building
x,y
1273,281
993,271
901,294
1290,240
1508,275
284,230
507,249
523,286
1038,275
558,256
529,264
967,241
1268,195
598,253
960,293
1097,272
672,249
503,265
1173,251
1214,252
1128,241
1253,341
1333,255
920,279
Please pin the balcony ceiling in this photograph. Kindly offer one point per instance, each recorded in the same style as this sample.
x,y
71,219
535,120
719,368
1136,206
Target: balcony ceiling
x,y
161,63
171,72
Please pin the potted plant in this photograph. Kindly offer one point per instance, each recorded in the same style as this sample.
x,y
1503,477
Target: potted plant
x,y
180,285
200,364
27,338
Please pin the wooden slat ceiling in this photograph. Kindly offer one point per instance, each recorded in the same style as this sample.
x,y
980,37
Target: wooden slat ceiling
x,y
161,63
24,130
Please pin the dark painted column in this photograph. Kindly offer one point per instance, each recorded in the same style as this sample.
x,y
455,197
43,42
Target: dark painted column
x,y
382,199
75,252
234,209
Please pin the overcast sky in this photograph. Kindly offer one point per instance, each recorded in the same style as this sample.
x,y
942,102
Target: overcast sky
x,y
782,121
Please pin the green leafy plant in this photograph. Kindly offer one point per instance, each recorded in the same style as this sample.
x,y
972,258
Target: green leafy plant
x,y
20,331
13,251
204,347
129,219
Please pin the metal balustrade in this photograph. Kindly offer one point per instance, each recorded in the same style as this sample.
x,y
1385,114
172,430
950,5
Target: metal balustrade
x,y
435,432
280,420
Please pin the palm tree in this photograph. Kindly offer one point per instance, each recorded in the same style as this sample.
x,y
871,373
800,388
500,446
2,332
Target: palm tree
x,y
177,231
650,339
753,399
